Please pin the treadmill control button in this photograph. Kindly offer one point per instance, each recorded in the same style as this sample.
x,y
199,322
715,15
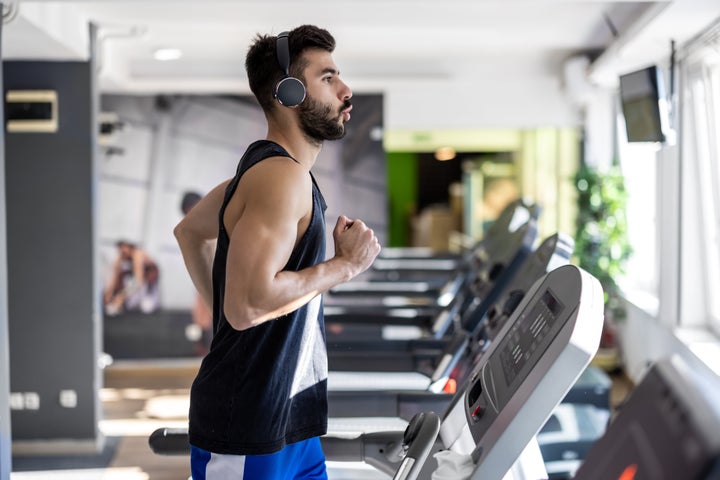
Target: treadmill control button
x,y
478,412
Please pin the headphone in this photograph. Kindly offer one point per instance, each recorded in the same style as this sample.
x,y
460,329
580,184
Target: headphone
x,y
289,91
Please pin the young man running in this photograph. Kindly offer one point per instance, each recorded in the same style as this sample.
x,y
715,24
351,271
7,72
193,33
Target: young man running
x,y
259,401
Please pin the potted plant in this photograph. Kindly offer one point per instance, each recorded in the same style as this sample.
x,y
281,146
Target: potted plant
x,y
601,245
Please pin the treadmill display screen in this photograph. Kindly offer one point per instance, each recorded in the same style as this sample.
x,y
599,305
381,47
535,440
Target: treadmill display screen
x,y
527,334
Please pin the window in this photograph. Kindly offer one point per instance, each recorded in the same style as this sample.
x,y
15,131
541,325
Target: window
x,y
701,151
638,162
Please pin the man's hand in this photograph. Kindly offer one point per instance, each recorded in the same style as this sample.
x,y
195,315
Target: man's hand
x,y
355,243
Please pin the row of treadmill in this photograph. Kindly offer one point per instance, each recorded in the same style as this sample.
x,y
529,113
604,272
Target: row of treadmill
x,y
477,366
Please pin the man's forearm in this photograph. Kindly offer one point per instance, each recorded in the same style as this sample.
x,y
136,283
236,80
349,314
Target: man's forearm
x,y
266,299
198,256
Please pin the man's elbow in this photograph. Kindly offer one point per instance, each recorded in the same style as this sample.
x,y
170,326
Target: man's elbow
x,y
184,236
180,231
241,318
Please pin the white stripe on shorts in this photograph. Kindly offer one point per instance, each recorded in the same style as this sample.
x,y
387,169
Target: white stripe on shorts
x,y
225,467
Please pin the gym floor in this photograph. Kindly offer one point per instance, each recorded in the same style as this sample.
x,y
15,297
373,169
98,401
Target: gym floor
x,y
139,397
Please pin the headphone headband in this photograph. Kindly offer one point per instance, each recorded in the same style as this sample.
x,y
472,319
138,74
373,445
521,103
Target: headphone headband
x,y
282,48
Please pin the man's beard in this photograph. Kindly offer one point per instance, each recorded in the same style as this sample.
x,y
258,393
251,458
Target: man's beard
x,y
318,123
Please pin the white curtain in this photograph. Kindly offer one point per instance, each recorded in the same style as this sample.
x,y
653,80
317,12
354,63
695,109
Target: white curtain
x,y
699,141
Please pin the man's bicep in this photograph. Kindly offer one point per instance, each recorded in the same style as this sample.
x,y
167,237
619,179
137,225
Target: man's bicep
x,y
261,243
275,199
259,249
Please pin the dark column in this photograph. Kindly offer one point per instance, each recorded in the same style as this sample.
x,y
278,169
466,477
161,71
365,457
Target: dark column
x,y
54,302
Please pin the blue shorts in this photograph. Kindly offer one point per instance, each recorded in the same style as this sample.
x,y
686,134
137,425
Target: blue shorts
x,y
297,461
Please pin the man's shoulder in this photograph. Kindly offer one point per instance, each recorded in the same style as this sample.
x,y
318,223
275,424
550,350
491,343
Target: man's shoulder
x,y
277,168
277,176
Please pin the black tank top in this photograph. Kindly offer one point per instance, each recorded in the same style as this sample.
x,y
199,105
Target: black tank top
x,y
262,388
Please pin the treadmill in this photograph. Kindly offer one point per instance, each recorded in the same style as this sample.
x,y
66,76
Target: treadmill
x,y
538,355
573,427
367,317
416,282
667,429
437,360
407,262
564,439
492,421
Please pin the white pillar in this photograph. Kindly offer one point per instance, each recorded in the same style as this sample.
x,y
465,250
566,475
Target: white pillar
x,y
159,159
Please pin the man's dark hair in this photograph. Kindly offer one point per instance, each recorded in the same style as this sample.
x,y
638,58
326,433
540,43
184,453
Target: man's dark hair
x,y
261,63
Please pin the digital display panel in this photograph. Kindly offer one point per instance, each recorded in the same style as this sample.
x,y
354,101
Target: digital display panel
x,y
527,334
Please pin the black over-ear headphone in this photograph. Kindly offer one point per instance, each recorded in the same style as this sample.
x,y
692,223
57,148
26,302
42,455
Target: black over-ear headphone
x,y
289,91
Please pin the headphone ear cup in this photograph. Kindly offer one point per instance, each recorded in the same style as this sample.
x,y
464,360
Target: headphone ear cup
x,y
290,92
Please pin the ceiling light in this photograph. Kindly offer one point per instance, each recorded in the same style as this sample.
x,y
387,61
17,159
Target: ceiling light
x,y
445,153
167,54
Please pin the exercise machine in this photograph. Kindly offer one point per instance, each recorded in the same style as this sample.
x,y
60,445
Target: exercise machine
x,y
414,293
399,262
492,421
668,428
367,317
442,360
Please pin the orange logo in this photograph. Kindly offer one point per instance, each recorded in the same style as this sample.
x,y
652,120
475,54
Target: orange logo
x,y
628,473
450,386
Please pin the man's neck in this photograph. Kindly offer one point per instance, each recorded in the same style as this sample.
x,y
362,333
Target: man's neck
x,y
292,139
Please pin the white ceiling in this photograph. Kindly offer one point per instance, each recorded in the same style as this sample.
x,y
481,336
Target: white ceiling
x,y
413,50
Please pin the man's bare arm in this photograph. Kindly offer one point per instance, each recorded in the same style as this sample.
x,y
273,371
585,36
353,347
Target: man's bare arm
x,y
195,234
257,289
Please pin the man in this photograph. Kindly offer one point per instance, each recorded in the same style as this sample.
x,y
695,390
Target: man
x,y
259,401
134,283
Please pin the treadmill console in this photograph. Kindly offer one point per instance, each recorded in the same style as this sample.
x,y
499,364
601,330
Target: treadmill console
x,y
508,253
527,339
499,251
513,216
495,245
668,428
554,252
537,356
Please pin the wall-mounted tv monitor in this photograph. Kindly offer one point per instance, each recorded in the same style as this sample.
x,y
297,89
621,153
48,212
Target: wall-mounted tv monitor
x,y
643,100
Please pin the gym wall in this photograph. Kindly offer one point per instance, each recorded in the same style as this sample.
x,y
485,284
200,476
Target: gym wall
x,y
168,145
